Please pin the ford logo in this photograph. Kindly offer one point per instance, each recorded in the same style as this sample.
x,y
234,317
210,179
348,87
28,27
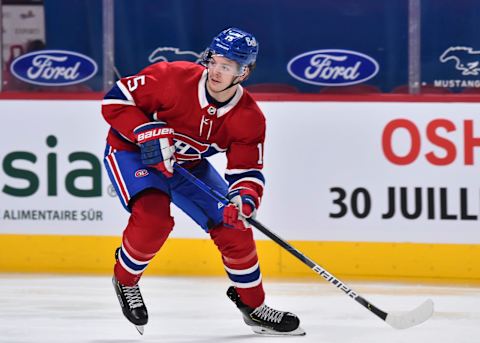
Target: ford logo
x,y
332,67
53,67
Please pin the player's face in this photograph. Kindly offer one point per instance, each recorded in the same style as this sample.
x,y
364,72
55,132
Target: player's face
x,y
221,72
224,66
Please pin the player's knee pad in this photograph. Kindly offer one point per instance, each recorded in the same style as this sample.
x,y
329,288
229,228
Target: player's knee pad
x,y
150,222
236,246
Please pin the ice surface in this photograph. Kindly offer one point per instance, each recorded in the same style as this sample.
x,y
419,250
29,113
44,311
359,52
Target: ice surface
x,y
62,309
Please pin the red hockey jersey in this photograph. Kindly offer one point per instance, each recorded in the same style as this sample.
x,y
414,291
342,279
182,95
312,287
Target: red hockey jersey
x,y
175,93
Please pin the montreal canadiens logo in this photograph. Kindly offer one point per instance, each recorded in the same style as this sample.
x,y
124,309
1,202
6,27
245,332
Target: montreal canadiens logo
x,y
188,149
53,68
332,67
141,173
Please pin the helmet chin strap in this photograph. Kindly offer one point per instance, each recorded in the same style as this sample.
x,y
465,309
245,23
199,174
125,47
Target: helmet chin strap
x,y
233,83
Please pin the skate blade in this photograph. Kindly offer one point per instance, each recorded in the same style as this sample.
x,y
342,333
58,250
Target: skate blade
x,y
140,329
269,332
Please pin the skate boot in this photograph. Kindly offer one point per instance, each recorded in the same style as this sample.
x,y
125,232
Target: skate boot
x,y
265,320
132,304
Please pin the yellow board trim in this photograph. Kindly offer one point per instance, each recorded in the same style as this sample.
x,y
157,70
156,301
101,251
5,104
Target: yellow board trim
x,y
458,263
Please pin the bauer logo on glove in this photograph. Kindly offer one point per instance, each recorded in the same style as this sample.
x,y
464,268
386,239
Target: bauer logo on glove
x,y
157,148
155,133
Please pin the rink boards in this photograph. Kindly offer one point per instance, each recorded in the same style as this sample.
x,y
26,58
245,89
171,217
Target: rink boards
x,y
368,189
457,263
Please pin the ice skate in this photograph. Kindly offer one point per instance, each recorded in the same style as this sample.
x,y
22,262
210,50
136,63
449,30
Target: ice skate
x,y
265,320
131,301
132,304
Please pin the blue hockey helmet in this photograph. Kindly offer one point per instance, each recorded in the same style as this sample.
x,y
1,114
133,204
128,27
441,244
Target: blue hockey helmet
x,y
234,44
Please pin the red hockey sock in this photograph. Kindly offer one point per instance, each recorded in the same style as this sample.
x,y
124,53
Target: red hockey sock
x,y
148,228
240,259
252,297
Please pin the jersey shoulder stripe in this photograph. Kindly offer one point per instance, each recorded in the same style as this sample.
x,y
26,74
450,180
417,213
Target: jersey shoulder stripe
x,y
118,96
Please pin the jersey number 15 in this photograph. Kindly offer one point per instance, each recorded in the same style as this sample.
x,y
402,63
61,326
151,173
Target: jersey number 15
x,y
135,81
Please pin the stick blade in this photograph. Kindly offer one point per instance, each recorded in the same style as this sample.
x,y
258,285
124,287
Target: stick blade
x,y
405,320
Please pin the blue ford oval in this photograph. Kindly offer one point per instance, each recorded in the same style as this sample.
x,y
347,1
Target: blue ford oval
x,y
53,67
332,67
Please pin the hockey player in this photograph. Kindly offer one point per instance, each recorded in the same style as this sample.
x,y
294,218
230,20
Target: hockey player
x,y
182,112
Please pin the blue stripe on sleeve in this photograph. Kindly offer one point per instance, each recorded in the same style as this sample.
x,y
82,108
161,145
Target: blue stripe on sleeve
x,y
115,93
232,178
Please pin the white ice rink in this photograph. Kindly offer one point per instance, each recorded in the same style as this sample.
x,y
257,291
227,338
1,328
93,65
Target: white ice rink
x,y
51,309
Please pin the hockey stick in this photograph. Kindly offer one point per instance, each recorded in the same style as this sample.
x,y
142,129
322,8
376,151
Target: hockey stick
x,y
402,320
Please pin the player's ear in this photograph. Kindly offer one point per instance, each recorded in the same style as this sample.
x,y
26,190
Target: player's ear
x,y
244,75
